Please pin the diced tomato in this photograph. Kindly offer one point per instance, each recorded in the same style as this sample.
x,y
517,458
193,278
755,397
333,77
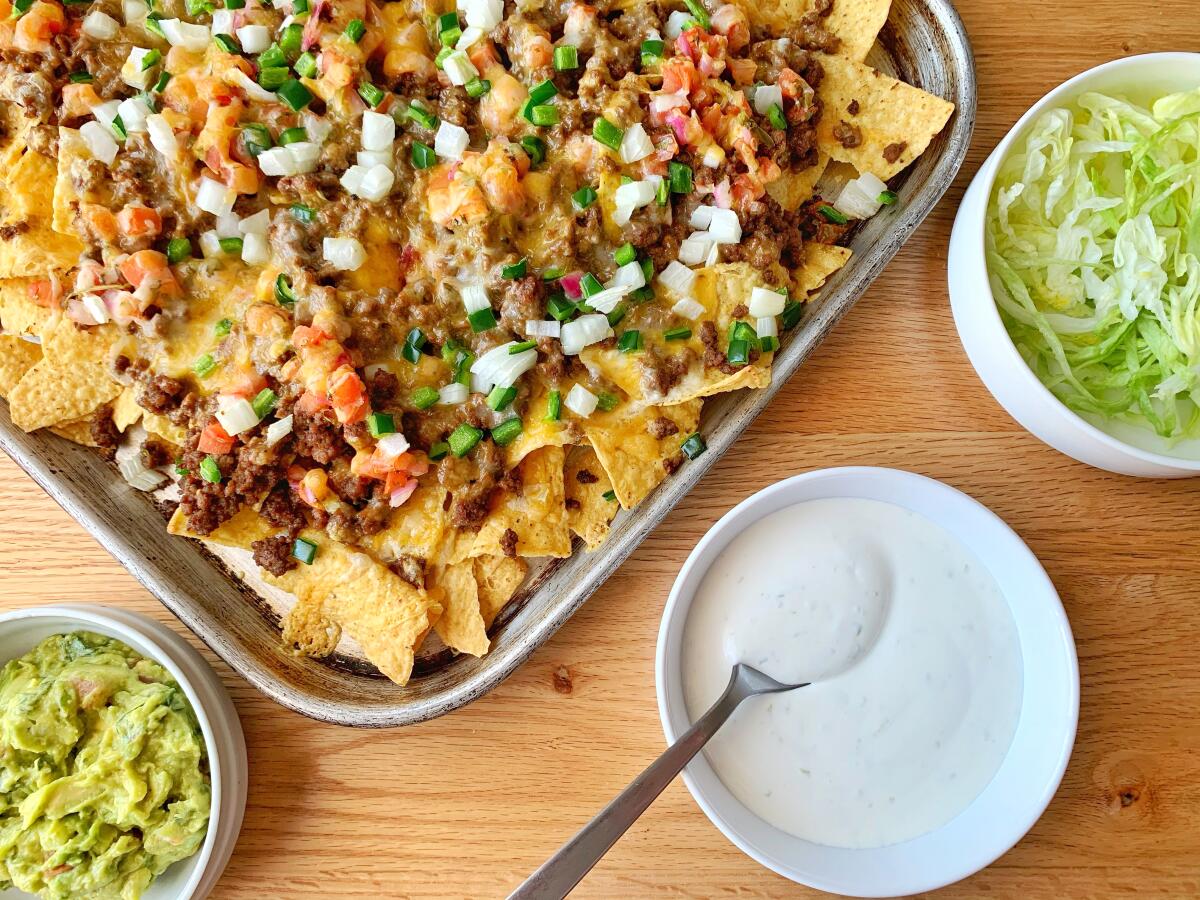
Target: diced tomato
x,y
246,383
310,402
306,336
149,264
241,179
139,221
348,395
45,292
743,70
483,55
395,480
679,75
368,464
100,220
214,439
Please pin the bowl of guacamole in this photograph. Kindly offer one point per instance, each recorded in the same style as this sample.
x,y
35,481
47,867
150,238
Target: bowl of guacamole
x,y
105,773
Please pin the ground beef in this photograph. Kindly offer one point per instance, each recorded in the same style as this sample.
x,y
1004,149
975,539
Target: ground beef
x,y
572,503
470,481
350,527
815,227
771,234
847,135
411,569
205,505
104,430
714,356
274,554
852,108
348,486
892,152
454,106
740,311
508,542
318,436
11,230
552,365
156,453
511,481
661,373
524,299
381,388
662,427
583,476
282,509
672,463
159,394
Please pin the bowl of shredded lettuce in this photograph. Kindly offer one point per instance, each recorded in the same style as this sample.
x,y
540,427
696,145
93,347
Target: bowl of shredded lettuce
x,y
1075,267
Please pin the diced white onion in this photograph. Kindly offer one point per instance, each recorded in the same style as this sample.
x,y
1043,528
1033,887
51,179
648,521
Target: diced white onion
x,y
450,141
584,331
134,11
675,23
458,68
859,199
635,145
371,158
694,251
470,37
606,301
725,227
95,308
278,430
255,250
453,393
99,26
222,21
305,156
713,156
214,197
378,131
766,326
766,96
475,298
485,14
479,385
276,161
259,223
352,179
636,193
185,34
764,302
134,112
502,368
253,89
137,476
377,183
630,276
106,112
392,445
162,136
236,414
678,278
227,226
662,103
622,214
254,38
688,308
701,217
100,142
210,245
538,328
344,253
581,401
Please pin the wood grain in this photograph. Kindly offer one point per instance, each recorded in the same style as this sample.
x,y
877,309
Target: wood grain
x,y
467,805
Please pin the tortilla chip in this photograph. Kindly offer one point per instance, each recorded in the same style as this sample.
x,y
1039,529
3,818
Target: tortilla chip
x,y
307,631
415,529
537,515
461,626
497,578
820,261
126,411
79,432
16,358
791,189
589,512
19,314
633,458
240,530
891,114
30,183
855,22
72,152
71,380
36,251
536,431
36,248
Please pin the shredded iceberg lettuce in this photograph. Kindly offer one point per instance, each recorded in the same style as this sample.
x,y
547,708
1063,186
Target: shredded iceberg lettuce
x,y
1093,249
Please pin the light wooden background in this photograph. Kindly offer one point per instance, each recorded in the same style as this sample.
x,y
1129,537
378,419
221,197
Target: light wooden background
x,y
465,806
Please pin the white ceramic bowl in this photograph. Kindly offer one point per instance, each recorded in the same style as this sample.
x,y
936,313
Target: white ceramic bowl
x,y
195,877
1041,745
1127,450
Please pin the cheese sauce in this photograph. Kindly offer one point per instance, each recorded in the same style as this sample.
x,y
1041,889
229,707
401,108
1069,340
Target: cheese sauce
x,y
913,655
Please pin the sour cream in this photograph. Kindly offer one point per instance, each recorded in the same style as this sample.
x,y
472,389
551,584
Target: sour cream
x,y
913,655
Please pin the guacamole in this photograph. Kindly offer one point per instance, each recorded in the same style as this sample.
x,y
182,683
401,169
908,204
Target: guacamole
x,y
103,771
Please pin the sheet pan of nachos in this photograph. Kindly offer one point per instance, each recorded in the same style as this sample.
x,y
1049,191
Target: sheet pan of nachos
x,y
406,310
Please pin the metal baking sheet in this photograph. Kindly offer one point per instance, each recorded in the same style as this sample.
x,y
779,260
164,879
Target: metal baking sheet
x,y
923,43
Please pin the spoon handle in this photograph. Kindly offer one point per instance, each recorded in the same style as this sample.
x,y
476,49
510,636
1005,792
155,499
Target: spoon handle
x,y
561,872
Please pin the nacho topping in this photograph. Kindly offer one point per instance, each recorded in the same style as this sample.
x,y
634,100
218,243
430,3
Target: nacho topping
x,y
383,273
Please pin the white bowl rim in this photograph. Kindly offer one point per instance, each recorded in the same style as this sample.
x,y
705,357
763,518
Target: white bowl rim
x,y
98,615
988,172
807,486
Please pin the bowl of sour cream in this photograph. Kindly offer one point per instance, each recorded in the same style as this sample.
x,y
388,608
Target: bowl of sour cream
x,y
944,689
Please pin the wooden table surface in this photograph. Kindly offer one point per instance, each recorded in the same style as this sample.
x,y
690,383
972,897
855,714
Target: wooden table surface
x,y
466,805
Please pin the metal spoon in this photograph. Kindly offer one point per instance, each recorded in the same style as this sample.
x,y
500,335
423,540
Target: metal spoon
x,y
561,872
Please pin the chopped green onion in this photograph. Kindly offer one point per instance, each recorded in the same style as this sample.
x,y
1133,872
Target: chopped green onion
x,y
515,270
477,87
223,327
506,432
775,117
791,314
424,397
81,78
696,8
544,115
371,94
231,245
464,438
422,117
272,77
178,249
198,7
118,127
625,254
553,273
380,424
462,369
20,7
738,353
292,38
500,397
151,24
299,7
535,147
618,313
446,21
151,59
355,29
204,365
209,470
305,551
607,133
438,450
303,213
584,197
642,294
553,406
693,446
541,93
768,343
306,65
680,178
516,349
235,4
652,51
482,320
560,307
272,57
888,198
180,470
412,346
257,138
227,43
423,156
648,268
292,136
663,194
566,57
283,291
742,331
610,496
629,341
294,94
163,79
607,402
590,285
264,402
442,56
677,334
832,215
450,36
